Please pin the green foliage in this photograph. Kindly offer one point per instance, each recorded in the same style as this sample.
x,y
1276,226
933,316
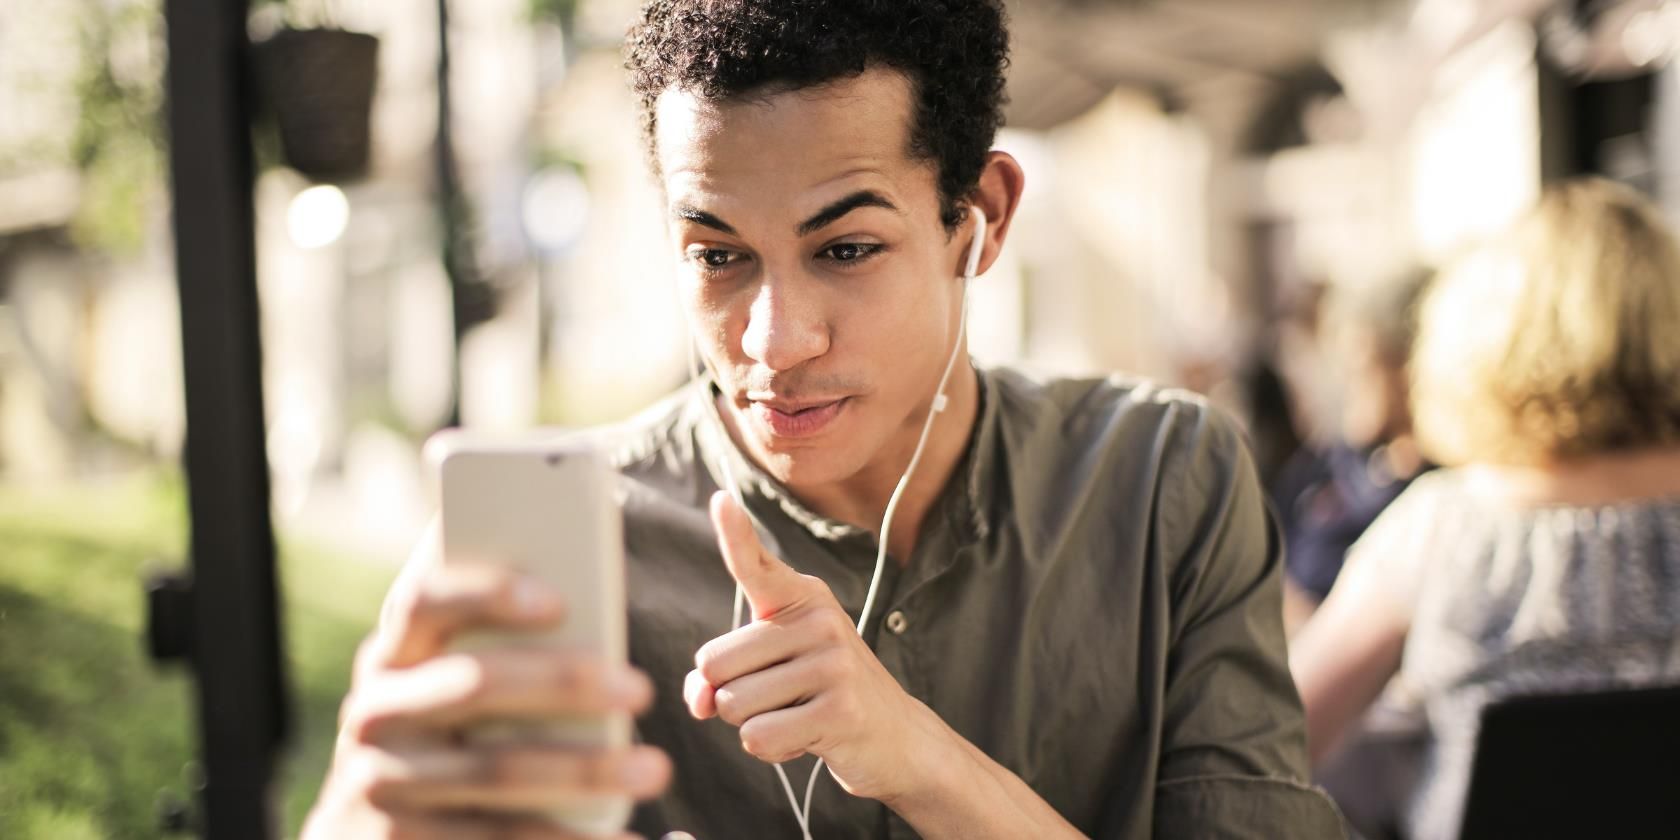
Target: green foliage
x,y
90,730
119,137
558,11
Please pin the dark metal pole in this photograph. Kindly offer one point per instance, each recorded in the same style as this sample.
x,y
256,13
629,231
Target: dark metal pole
x,y
473,301
227,615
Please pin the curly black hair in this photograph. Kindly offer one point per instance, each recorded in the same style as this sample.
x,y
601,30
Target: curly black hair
x,y
953,51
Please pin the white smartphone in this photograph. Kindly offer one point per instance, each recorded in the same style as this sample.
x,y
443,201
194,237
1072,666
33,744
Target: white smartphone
x,y
548,508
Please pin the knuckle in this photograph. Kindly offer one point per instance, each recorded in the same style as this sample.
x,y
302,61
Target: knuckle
x,y
728,705
369,730
834,625
381,792
706,655
406,608
712,674
495,593
503,768
497,586
475,679
553,770
359,779
346,711
457,595
709,662
369,655
817,591
840,707
360,724
833,667
574,677
766,741
754,739
847,707
481,768
598,771
483,676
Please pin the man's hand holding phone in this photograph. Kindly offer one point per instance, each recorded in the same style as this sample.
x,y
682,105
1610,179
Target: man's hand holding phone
x,y
401,768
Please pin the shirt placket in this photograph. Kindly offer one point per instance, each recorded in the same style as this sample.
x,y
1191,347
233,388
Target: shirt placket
x,y
904,629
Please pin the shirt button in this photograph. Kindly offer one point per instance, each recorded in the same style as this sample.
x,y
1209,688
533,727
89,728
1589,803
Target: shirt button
x,y
896,622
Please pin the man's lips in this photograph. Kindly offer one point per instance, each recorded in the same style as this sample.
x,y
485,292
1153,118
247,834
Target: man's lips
x,y
797,419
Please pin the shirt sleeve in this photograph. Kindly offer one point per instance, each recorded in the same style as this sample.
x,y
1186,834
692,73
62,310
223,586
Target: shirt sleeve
x,y
1233,758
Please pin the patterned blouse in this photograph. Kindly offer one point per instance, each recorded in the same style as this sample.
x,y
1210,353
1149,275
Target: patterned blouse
x,y
1508,600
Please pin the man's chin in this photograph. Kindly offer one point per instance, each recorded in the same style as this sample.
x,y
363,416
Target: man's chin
x,y
805,466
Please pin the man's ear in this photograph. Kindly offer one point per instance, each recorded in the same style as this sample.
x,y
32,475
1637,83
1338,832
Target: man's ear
x,y
998,195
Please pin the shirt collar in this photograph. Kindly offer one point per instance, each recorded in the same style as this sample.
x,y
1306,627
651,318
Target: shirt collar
x,y
970,514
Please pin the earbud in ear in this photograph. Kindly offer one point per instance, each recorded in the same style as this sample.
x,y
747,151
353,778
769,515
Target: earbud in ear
x,y
977,244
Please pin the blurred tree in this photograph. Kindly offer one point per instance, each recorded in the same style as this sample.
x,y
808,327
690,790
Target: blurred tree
x,y
118,140
561,12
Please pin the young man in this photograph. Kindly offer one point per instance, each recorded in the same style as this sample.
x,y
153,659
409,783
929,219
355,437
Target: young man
x,y
1078,631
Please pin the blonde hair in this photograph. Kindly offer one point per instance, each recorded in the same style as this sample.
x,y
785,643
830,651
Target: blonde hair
x,y
1557,339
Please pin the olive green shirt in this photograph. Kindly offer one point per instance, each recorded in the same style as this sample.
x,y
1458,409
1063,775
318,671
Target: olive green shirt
x,y
1093,601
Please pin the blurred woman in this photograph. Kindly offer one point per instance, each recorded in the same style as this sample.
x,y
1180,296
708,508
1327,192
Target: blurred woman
x,y
1547,374
1329,492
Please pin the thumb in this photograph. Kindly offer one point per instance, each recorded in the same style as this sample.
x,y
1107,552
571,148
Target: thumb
x,y
770,585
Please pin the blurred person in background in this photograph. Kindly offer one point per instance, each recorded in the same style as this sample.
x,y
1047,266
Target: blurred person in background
x,y
1328,494
1268,415
1547,557
1080,630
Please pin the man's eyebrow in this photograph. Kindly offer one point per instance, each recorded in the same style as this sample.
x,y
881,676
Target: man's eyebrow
x,y
833,212
701,217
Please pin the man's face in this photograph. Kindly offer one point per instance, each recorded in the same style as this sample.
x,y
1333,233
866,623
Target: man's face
x,y
819,279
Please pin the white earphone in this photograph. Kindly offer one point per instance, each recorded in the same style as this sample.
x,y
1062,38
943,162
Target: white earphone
x,y
802,811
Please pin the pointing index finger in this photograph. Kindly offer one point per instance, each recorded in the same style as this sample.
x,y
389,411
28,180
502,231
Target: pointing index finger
x,y
770,585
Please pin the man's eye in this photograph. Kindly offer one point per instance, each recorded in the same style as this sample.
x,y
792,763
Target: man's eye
x,y
712,257
846,252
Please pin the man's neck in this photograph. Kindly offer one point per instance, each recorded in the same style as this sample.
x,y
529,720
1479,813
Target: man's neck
x,y
861,500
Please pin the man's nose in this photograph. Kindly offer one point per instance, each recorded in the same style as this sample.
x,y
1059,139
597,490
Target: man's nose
x,y
785,325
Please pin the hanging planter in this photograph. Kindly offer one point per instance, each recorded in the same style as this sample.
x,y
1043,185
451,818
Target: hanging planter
x,y
319,85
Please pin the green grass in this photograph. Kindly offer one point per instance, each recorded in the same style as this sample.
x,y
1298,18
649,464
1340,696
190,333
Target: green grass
x,y
90,730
